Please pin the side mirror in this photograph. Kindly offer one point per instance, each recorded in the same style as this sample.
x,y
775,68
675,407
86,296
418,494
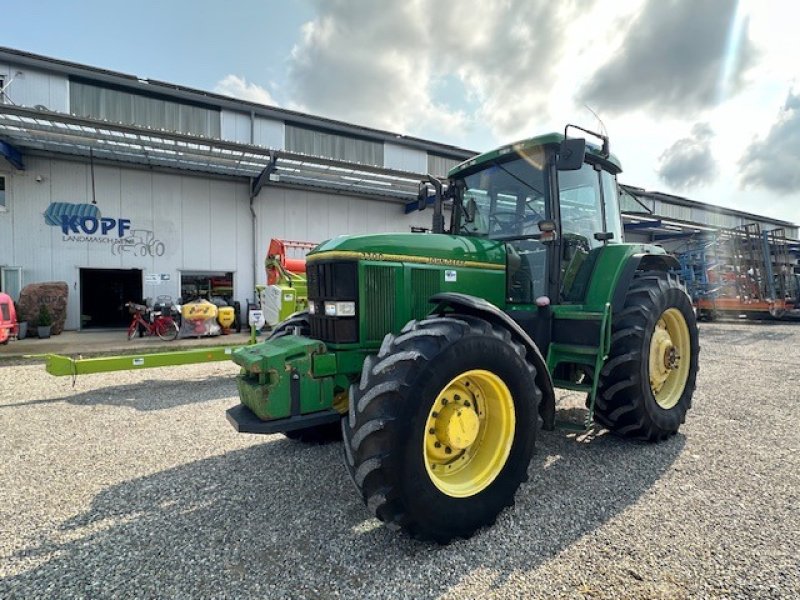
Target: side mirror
x,y
422,197
469,211
571,154
547,225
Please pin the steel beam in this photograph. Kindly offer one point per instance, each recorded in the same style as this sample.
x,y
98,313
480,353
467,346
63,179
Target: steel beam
x,y
61,366
12,155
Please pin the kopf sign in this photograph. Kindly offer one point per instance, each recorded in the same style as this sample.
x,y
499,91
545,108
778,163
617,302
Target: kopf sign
x,y
90,225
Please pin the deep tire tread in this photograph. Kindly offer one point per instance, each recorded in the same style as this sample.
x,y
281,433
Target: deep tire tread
x,y
624,402
385,382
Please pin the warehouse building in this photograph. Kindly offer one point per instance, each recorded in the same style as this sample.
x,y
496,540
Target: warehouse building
x,y
128,188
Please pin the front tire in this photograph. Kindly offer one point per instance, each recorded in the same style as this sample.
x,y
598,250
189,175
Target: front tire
x,y
441,427
646,385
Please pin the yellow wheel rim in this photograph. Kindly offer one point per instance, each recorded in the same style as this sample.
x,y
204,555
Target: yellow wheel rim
x,y
469,433
670,357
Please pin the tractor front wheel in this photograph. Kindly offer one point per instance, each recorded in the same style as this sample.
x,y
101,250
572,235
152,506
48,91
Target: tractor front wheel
x,y
646,385
441,428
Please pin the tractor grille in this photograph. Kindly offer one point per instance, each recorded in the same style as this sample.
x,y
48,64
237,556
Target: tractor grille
x,y
379,294
424,284
333,281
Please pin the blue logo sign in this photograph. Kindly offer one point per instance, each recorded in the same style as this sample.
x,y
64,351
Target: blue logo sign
x,y
84,219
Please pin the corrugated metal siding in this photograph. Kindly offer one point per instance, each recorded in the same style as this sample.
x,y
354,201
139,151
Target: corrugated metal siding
x,y
36,88
379,287
203,223
269,133
235,126
439,166
330,145
316,216
98,102
404,159
676,211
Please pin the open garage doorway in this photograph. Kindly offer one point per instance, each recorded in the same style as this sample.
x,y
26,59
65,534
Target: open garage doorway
x,y
104,293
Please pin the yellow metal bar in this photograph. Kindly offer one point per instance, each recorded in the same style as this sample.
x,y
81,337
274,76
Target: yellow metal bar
x,y
64,365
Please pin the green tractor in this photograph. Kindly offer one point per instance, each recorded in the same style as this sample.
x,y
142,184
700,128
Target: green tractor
x,y
436,355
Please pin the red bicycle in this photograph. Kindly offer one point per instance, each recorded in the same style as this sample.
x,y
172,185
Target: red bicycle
x,y
156,323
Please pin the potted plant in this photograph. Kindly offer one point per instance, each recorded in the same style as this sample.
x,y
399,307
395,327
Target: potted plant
x,y
44,322
22,323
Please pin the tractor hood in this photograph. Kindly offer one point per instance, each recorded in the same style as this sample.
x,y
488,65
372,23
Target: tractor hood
x,y
415,247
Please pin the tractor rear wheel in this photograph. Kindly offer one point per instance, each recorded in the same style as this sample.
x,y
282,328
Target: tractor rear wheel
x,y
441,428
319,434
646,385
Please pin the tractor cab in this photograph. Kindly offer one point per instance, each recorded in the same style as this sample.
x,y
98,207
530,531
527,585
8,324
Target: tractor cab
x,y
552,200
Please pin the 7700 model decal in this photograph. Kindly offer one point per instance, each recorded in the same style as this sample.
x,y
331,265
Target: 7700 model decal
x,y
426,260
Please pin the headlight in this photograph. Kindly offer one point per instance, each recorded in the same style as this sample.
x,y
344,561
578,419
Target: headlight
x,y
340,309
346,309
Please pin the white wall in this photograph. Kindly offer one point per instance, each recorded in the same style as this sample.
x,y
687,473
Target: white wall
x,y
315,217
404,159
32,88
204,224
269,133
235,126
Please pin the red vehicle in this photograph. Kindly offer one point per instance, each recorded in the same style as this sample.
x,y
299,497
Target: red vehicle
x,y
151,322
8,318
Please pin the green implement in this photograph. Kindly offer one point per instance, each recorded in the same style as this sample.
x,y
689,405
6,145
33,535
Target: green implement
x,y
61,366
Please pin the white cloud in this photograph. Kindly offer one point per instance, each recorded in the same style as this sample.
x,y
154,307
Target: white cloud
x,y
239,87
689,162
435,69
478,74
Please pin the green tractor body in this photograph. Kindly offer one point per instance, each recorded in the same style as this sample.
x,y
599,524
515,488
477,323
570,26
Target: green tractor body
x,y
439,353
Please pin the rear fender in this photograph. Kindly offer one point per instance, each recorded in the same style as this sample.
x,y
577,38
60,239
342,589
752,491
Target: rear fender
x,y
478,307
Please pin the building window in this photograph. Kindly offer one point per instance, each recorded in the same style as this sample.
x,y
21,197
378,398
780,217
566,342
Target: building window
x,y
439,166
129,108
2,192
2,89
197,285
315,142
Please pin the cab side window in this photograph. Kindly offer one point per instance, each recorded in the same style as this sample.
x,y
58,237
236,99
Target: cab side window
x,y
581,218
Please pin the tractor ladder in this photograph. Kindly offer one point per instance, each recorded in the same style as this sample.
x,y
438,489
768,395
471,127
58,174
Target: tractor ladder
x,y
593,357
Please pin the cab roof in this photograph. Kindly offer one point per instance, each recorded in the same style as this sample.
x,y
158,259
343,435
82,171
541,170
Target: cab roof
x,y
547,139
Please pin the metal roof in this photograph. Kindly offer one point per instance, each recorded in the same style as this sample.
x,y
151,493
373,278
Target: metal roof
x,y
39,131
179,92
682,201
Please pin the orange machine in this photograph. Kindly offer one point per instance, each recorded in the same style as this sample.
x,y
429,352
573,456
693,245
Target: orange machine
x,y
278,263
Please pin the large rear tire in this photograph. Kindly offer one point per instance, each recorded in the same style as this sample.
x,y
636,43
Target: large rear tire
x,y
646,386
441,428
319,434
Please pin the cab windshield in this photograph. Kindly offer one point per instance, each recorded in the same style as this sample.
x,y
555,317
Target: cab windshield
x,y
507,199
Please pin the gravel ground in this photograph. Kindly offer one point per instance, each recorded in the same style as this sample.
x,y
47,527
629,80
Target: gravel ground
x,y
134,485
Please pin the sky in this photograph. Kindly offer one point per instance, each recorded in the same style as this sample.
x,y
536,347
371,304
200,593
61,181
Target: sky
x,y
699,98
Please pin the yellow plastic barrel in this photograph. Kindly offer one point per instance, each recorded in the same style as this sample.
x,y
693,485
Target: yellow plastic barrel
x,y
226,315
198,311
